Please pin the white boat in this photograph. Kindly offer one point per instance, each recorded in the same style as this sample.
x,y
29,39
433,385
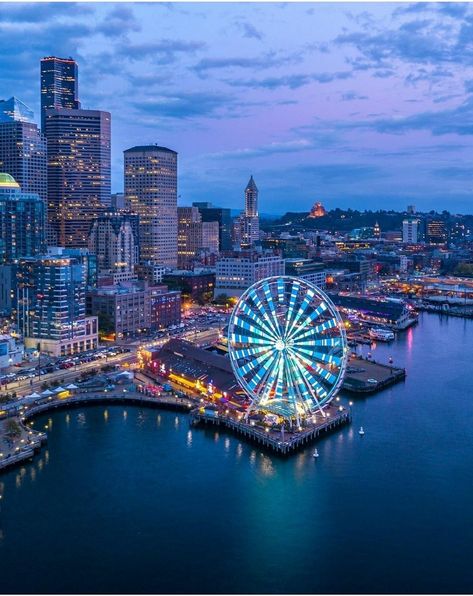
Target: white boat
x,y
316,453
361,432
381,334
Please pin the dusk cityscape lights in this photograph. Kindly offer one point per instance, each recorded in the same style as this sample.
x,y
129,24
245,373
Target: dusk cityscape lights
x,y
236,298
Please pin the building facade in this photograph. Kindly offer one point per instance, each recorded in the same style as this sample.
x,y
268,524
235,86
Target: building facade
x,y
113,242
151,192
194,237
78,172
237,271
51,305
307,269
410,231
223,216
59,85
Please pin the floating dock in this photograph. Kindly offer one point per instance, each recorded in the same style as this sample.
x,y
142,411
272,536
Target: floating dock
x,y
366,376
281,442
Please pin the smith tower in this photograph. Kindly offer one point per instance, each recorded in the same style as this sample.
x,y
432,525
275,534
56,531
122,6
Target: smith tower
x,y
250,219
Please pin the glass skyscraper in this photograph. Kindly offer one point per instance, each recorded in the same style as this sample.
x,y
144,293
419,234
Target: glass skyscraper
x,y
223,215
59,85
22,148
22,222
78,172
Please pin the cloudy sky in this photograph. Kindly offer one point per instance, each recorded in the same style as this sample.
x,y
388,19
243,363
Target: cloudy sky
x,y
363,105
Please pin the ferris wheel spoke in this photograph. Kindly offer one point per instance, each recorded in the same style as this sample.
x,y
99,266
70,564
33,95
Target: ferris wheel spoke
x,y
238,338
280,285
257,362
309,320
264,313
247,352
330,324
257,321
304,306
292,302
261,371
324,373
272,308
252,330
274,380
320,356
314,387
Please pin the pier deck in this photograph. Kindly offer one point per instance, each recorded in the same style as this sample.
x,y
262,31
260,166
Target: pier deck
x,y
366,376
282,443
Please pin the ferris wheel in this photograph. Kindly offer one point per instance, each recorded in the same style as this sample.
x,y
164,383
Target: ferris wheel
x,y
287,347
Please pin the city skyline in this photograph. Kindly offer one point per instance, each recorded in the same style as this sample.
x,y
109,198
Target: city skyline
x,y
372,109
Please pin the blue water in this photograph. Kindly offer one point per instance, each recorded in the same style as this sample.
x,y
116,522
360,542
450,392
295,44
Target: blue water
x,y
131,500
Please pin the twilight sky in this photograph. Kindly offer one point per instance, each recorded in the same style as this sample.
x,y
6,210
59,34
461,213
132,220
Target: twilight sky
x,y
363,105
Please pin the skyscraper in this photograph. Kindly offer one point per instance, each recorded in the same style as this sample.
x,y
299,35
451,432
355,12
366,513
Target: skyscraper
x,y
59,85
78,172
51,304
223,216
194,237
249,221
22,222
22,148
151,192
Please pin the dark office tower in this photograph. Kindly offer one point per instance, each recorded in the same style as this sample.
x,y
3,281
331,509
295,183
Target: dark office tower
x,y
210,213
22,148
22,222
78,172
151,192
59,85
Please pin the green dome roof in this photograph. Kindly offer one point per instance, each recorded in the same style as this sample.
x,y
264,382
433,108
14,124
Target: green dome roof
x,y
7,181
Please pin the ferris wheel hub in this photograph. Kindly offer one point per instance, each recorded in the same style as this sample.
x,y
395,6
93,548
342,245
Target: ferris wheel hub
x,y
280,345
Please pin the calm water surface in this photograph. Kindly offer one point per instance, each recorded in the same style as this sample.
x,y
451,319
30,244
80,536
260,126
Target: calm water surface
x,y
125,499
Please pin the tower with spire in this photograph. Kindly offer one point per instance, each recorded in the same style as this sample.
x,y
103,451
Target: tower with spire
x,y
249,221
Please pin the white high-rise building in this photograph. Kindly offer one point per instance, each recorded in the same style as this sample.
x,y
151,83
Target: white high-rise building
x,y
151,191
237,271
410,231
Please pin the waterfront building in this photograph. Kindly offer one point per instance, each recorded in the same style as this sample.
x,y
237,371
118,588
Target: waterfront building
x,y
196,285
113,242
194,237
223,216
59,85
23,148
410,231
391,313
131,309
22,222
151,192
237,271
192,367
51,304
307,269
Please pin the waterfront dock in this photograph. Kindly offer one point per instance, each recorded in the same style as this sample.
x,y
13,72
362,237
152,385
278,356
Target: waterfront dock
x,y
283,442
366,376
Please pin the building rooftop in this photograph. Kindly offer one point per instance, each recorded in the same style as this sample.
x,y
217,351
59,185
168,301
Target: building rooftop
x,y
7,181
141,148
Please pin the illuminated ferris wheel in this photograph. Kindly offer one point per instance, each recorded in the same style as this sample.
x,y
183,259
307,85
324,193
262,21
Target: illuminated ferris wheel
x,y
288,347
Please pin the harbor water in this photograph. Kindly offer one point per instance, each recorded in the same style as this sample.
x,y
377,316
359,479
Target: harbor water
x,y
129,499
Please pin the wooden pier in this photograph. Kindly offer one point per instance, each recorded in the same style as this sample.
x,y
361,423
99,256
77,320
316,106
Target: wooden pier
x,y
367,376
283,443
